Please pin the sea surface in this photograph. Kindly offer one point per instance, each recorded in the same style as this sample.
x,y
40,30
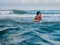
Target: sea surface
x,y
17,27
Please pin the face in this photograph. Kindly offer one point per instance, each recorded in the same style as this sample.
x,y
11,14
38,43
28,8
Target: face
x,y
39,14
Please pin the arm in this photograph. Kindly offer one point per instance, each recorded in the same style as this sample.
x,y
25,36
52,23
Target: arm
x,y
35,20
39,17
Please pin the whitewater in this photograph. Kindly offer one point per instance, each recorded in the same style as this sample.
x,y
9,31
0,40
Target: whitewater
x,y
19,28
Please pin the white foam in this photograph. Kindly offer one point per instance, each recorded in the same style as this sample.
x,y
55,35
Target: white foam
x,y
42,43
27,15
45,17
6,12
2,29
46,38
17,39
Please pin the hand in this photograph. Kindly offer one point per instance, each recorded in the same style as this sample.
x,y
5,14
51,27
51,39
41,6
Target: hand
x,y
35,20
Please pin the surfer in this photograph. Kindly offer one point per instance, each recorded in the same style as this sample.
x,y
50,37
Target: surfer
x,y
37,17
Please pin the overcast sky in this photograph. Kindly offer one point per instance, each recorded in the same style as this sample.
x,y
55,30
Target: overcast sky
x,y
30,4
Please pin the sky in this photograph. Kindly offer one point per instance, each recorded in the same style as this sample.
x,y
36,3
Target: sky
x,y
30,4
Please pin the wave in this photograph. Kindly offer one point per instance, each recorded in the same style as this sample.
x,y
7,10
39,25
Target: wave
x,y
29,18
12,32
13,12
29,11
45,37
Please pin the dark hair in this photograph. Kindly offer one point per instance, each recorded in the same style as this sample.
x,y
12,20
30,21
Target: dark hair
x,y
38,13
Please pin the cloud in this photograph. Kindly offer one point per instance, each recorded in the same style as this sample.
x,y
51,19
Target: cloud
x,y
30,2
58,0
46,1
34,1
22,1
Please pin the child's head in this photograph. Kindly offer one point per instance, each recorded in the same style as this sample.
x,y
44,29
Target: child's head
x,y
38,13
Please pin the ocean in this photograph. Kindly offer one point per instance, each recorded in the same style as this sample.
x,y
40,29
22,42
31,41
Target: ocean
x,y
17,27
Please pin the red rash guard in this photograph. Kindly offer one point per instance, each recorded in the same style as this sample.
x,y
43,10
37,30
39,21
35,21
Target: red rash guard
x,y
37,18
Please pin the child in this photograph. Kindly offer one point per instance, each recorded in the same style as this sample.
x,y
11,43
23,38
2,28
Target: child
x,y
37,17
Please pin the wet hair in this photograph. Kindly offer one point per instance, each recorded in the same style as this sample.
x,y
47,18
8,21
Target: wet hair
x,y
38,13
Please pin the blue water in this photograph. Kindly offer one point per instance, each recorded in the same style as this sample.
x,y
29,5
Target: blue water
x,y
17,30
29,11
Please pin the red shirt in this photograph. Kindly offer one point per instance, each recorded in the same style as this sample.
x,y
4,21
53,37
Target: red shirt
x,y
37,18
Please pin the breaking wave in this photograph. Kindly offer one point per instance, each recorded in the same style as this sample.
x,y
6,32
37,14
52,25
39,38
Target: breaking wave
x,y
29,18
17,28
29,11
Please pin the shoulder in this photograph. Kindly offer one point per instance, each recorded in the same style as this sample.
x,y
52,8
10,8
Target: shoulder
x,y
35,16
